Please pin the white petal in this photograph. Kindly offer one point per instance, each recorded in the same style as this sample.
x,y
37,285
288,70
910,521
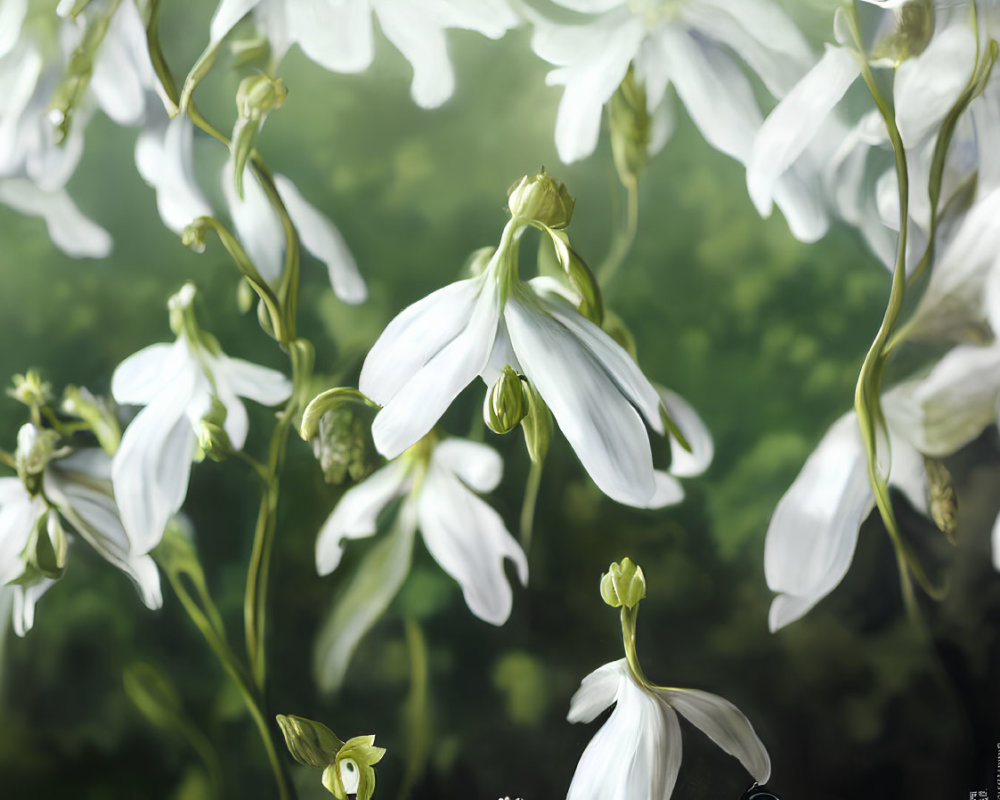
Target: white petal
x,y
11,16
369,593
421,401
252,381
25,599
502,355
683,463
811,538
122,67
908,472
150,471
995,541
477,465
164,159
926,87
414,336
355,516
795,121
321,238
420,38
760,32
144,376
228,13
470,542
952,405
256,223
724,724
599,422
337,36
668,491
492,18
597,691
714,91
69,230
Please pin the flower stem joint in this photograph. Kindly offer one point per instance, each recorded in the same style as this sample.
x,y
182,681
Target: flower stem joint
x,y
623,584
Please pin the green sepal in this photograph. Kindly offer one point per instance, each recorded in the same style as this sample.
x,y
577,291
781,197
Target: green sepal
x,y
630,125
537,426
579,274
310,743
672,428
79,402
623,584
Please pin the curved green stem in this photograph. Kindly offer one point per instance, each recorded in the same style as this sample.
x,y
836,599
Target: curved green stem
x,y
529,503
623,238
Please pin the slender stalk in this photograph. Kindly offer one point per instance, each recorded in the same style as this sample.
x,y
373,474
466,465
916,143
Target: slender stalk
x,y
529,503
623,238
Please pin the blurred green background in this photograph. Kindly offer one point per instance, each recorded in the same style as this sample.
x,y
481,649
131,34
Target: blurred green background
x,y
762,334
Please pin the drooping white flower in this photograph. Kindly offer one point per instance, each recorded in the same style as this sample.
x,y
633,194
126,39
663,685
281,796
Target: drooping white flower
x,y
600,399
178,384
438,482
814,529
73,490
340,36
636,754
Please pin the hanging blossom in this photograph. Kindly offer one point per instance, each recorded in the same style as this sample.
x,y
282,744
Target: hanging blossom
x,y
814,529
689,44
637,752
599,397
43,114
56,487
340,36
191,391
929,73
438,481
164,157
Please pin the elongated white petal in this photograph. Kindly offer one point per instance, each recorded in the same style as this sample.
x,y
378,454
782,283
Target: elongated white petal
x,y
926,87
68,228
226,15
470,542
122,69
811,538
261,384
668,491
356,514
25,598
477,465
415,336
953,404
366,597
18,514
760,32
597,691
151,468
420,38
613,359
11,16
164,159
144,376
321,238
502,355
714,91
795,121
684,463
599,422
256,223
421,401
724,724
337,36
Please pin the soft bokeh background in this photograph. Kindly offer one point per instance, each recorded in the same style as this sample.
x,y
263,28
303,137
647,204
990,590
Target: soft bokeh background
x,y
762,334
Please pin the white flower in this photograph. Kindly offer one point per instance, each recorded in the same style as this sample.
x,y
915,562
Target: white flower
x,y
600,399
340,36
686,43
636,754
437,482
814,529
75,490
177,384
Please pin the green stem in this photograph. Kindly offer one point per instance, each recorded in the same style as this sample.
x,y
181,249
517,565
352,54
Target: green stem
x,y
416,712
629,616
209,623
623,238
531,488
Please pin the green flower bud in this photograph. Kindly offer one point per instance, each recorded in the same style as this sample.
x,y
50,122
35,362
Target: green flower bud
x,y
630,129
506,402
942,500
310,743
213,441
36,447
343,444
256,97
623,584
44,555
348,766
181,308
193,236
541,199
80,403
31,390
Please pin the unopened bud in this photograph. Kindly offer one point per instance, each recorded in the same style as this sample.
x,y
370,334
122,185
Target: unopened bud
x,y
623,584
343,444
31,390
44,556
630,129
942,500
79,402
506,402
256,97
213,441
35,449
310,743
540,198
